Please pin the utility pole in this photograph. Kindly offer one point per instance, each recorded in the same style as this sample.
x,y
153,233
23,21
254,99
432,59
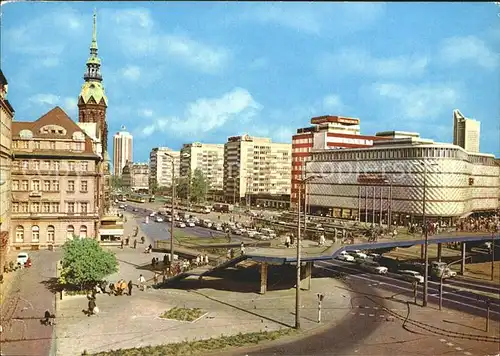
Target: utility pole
x,y
381,211
297,287
426,242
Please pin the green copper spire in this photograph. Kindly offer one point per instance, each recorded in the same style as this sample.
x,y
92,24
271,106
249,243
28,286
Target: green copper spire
x,y
94,33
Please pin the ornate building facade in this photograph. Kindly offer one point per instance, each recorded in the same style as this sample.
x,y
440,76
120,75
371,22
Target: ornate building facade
x,y
54,180
6,116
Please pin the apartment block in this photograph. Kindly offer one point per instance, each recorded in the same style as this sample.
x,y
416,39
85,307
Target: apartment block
x,y
209,158
135,176
160,166
122,150
466,132
6,116
55,180
256,166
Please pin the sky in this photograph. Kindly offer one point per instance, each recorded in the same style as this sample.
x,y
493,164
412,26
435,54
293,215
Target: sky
x,y
186,72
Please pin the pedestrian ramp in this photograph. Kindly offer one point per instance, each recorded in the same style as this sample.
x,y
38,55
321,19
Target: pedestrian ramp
x,y
200,271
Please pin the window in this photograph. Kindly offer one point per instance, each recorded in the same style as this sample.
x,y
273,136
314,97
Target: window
x,y
36,165
51,233
83,232
55,207
15,207
35,185
52,145
57,165
24,207
71,165
71,186
55,185
35,207
46,185
46,165
24,164
37,145
70,231
46,207
71,207
35,233
83,186
85,166
19,233
24,185
15,185
83,208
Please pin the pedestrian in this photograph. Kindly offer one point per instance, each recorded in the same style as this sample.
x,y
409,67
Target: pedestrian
x,y
135,243
292,239
153,263
155,278
242,248
228,255
150,248
206,259
121,245
127,240
91,306
165,259
287,241
129,285
232,253
141,281
143,239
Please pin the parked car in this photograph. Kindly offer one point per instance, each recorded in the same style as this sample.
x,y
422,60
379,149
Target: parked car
x,y
180,224
374,267
237,232
217,227
190,223
250,233
344,256
159,219
152,214
358,254
22,258
411,276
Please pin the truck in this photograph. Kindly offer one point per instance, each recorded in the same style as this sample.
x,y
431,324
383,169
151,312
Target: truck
x,y
223,208
441,270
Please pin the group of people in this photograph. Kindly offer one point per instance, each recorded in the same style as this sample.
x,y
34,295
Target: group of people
x,y
230,252
126,242
487,224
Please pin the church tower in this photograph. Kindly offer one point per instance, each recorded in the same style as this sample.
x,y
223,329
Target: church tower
x,y
92,102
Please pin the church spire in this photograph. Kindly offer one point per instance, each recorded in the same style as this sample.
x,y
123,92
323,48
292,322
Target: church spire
x,y
93,46
93,72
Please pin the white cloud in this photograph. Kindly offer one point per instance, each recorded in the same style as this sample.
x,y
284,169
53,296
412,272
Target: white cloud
x,y
132,73
48,101
414,102
315,18
208,114
145,113
358,61
469,49
139,35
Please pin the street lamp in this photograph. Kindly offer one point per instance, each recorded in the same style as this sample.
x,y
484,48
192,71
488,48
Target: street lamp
x,y
426,242
172,159
297,287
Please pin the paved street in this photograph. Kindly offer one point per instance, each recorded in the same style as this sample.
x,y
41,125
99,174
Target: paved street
x,y
29,298
454,297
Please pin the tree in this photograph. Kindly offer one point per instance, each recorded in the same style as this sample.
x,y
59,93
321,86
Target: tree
x,y
116,182
153,187
199,186
85,262
181,190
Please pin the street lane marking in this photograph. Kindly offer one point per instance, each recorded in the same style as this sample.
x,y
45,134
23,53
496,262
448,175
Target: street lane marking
x,y
467,353
362,314
411,290
371,314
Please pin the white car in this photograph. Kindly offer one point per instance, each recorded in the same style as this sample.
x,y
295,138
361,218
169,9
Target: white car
x,y
358,254
152,214
344,256
251,233
411,276
190,224
159,219
180,224
374,267
237,232
22,258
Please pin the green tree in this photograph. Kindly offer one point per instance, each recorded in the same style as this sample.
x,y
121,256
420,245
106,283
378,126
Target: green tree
x,y
182,187
153,187
199,186
85,262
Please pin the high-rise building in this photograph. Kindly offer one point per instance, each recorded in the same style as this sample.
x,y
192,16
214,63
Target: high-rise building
x,y
256,166
122,150
6,116
325,132
209,158
466,132
160,166
135,177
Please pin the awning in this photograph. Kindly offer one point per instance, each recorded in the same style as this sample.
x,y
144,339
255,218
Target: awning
x,y
466,215
110,232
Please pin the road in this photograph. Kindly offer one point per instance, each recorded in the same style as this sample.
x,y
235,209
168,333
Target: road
x,y
453,296
23,334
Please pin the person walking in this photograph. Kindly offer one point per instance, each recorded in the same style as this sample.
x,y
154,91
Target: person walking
x,y
155,278
121,245
242,248
92,305
153,262
135,243
130,285
142,282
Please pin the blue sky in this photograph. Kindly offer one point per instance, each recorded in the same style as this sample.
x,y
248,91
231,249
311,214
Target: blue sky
x,y
181,72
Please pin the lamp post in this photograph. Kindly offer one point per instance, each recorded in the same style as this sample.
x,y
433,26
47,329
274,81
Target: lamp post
x,y
172,212
297,286
426,236
441,282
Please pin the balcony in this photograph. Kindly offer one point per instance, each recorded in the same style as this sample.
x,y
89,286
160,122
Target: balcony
x,y
35,194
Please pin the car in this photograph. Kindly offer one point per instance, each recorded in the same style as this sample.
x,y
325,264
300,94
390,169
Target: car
x,y
152,214
159,219
411,276
250,233
237,232
344,256
122,206
374,256
22,258
190,224
217,227
358,254
374,267
180,224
